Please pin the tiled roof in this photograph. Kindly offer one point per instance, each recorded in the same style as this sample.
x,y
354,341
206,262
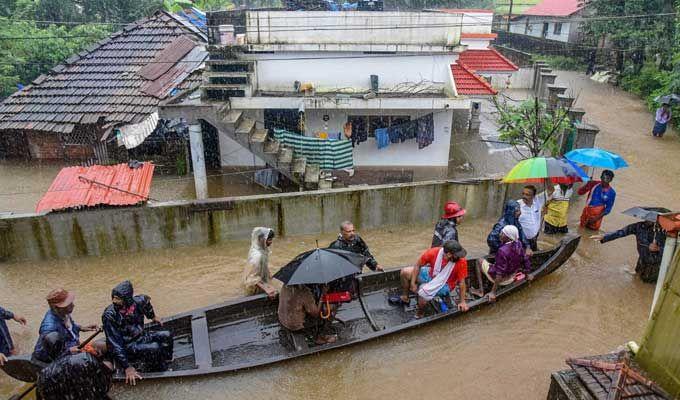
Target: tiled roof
x,y
489,60
555,8
102,84
478,35
115,185
469,83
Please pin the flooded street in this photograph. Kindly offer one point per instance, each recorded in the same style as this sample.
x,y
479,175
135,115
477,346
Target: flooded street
x,y
589,306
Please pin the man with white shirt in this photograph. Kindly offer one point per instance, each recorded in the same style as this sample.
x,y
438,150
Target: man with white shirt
x,y
532,211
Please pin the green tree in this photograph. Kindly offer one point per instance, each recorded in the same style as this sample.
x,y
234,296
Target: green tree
x,y
531,128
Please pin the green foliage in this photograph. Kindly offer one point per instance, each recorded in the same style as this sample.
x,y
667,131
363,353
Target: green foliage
x,y
25,59
563,63
531,126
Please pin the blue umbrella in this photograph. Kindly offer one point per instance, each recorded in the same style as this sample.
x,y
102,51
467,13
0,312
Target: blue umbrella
x,y
598,158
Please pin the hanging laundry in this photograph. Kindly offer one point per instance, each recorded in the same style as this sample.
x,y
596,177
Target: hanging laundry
x,y
394,132
328,154
267,177
347,130
382,138
409,130
425,132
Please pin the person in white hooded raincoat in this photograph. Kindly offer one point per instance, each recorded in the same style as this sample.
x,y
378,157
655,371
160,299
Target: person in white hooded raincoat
x,y
256,276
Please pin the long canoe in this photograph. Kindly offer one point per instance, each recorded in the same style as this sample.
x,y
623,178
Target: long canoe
x,y
245,333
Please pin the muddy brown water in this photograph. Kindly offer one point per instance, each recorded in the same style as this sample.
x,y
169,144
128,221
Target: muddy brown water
x,y
590,305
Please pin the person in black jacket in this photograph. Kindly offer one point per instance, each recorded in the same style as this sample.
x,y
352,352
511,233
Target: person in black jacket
x,y
650,240
445,229
349,240
511,214
126,339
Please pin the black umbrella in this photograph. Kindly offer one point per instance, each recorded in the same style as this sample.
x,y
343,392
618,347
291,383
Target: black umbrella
x,y
320,266
670,99
646,213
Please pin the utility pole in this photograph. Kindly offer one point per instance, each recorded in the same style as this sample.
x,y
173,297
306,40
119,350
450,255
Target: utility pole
x,y
509,15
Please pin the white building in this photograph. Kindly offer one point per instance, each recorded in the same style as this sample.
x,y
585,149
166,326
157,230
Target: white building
x,y
313,72
551,19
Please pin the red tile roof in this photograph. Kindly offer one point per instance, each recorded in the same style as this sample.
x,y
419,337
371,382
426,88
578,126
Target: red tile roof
x,y
489,60
115,185
469,83
555,8
478,35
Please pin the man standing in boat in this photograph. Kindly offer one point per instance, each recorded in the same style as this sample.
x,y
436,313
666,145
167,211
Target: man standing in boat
x,y
349,240
6,345
446,228
126,339
257,278
438,270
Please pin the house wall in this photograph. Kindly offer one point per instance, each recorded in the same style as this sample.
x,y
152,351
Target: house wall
x,y
533,26
49,146
366,154
351,71
475,44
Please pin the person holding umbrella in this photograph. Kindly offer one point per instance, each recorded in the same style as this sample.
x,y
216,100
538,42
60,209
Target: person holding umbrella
x,y
650,239
663,115
298,308
601,198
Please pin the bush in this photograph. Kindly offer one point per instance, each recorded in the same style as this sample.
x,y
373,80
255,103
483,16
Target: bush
x,y
647,82
563,63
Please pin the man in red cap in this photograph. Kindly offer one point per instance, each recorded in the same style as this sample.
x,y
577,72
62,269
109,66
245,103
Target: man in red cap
x,y
58,319
445,229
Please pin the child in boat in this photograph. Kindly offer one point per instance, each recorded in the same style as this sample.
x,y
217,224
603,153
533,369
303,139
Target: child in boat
x,y
438,269
510,259
299,312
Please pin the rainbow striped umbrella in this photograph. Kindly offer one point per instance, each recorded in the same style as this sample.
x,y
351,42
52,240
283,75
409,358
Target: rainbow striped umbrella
x,y
542,169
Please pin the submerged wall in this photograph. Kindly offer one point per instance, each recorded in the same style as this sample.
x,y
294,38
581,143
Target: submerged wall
x,y
184,223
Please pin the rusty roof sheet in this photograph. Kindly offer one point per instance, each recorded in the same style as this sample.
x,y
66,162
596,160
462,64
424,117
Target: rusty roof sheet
x,y
167,58
114,185
104,81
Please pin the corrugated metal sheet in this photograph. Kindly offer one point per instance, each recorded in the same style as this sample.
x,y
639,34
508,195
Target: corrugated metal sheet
x,y
167,57
659,351
115,185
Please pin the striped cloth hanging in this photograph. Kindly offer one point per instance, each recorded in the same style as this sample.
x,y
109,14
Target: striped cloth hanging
x,y
328,154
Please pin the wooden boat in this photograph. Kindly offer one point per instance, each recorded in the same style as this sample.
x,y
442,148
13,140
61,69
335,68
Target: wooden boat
x,y
245,333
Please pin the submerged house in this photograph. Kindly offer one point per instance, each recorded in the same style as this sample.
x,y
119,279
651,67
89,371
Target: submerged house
x,y
372,93
102,103
551,19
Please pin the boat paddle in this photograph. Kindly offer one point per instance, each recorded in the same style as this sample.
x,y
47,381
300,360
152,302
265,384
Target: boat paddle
x,y
33,385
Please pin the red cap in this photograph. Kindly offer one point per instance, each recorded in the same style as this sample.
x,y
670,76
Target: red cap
x,y
453,210
60,298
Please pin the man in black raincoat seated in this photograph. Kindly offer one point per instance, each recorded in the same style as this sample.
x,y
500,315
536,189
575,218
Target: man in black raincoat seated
x,y
80,376
127,341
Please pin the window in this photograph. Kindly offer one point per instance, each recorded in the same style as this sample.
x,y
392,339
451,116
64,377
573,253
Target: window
x,y
558,28
544,32
369,123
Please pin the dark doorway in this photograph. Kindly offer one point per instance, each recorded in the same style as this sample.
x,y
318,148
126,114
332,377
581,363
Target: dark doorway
x,y
282,118
211,146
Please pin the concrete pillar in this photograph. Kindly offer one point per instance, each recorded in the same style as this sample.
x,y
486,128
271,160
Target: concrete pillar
x,y
537,67
198,160
565,101
553,91
537,89
585,135
546,79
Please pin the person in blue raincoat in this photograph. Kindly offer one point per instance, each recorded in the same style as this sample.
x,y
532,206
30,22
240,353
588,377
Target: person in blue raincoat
x,y
511,214
6,344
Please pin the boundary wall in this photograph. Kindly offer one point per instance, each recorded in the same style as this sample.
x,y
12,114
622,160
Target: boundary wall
x,y
207,222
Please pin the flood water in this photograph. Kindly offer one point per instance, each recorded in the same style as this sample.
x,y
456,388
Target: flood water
x,y
589,306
